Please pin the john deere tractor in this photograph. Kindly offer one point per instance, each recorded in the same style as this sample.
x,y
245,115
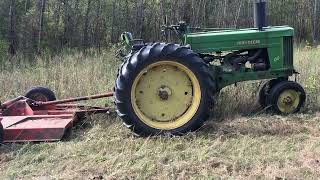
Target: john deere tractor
x,y
167,88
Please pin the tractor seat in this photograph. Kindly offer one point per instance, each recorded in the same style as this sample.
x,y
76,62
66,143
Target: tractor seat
x,y
127,36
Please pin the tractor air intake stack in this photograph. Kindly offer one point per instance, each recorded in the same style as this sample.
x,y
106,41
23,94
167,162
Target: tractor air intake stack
x,y
260,14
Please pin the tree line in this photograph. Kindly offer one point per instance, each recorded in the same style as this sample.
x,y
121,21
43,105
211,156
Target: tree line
x,y
36,25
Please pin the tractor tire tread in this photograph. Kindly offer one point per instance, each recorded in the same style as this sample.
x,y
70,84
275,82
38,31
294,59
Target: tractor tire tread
x,y
279,88
150,54
43,90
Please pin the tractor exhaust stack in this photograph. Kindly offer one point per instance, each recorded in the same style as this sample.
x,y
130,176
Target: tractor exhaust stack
x,y
260,14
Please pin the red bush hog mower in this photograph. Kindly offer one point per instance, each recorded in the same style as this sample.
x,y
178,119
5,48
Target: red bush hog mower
x,y
38,116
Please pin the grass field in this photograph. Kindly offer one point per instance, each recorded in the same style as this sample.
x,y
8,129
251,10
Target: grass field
x,y
240,140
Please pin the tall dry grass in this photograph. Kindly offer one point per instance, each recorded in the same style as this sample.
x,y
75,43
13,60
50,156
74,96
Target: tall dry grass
x,y
245,145
77,74
68,75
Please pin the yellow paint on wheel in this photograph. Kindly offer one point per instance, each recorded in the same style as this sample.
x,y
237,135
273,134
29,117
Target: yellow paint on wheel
x,y
288,101
166,95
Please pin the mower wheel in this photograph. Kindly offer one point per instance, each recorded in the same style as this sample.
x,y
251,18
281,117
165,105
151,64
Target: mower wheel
x,y
164,89
287,97
41,94
265,90
1,133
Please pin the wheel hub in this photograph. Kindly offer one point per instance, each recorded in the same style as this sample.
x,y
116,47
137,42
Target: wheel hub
x,y
173,103
288,101
164,93
39,97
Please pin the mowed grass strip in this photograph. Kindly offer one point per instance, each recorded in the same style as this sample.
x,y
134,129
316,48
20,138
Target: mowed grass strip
x,y
241,140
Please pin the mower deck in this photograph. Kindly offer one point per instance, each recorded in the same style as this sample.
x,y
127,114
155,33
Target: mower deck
x,y
25,120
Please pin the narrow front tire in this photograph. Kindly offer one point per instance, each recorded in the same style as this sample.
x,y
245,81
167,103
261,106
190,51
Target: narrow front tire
x,y
287,97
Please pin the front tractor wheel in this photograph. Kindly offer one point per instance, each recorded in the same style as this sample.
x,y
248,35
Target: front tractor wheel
x,y
265,89
164,89
287,97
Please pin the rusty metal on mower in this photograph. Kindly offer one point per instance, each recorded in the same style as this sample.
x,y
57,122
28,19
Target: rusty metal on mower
x,y
27,120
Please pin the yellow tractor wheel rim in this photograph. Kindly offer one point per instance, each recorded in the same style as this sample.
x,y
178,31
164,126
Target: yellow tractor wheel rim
x,y
288,101
166,95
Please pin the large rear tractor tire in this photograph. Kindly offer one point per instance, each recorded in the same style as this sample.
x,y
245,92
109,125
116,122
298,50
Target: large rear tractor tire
x,y
164,89
287,97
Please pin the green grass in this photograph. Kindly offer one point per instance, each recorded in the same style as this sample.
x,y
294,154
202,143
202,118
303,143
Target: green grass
x,y
238,142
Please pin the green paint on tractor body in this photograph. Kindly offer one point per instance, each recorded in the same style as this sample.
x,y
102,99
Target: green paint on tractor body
x,y
277,42
237,55
213,59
